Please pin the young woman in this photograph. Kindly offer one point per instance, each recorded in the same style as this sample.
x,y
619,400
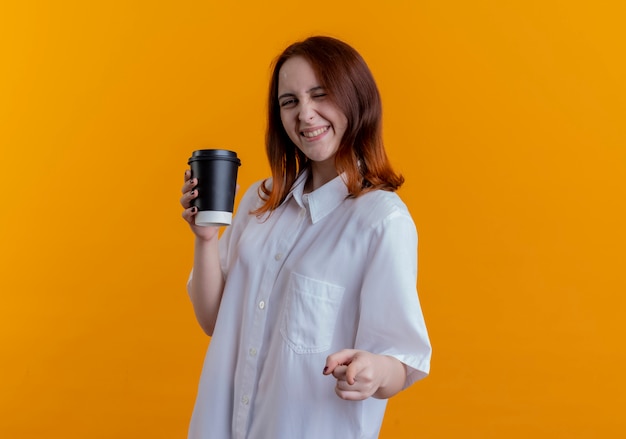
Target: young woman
x,y
310,295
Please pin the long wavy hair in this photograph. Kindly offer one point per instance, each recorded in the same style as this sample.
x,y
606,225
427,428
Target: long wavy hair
x,y
345,76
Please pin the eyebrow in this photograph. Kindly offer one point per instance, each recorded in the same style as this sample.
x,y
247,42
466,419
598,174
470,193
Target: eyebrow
x,y
311,90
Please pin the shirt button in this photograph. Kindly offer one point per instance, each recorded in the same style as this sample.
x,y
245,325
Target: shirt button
x,y
252,352
245,400
262,304
278,256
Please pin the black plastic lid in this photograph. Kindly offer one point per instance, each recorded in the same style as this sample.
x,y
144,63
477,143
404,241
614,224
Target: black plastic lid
x,y
214,154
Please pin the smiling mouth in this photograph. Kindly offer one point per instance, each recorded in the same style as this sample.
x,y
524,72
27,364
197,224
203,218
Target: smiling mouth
x,y
314,133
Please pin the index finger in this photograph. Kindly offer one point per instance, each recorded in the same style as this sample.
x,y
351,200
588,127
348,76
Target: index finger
x,y
341,358
339,372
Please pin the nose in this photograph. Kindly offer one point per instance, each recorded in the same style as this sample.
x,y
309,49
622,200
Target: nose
x,y
307,110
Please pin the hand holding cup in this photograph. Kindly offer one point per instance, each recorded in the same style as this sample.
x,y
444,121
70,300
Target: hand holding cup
x,y
190,193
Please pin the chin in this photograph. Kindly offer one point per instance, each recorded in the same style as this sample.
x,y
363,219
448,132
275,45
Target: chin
x,y
319,158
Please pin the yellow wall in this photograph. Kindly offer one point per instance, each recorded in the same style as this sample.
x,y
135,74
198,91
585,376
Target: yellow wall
x,y
506,117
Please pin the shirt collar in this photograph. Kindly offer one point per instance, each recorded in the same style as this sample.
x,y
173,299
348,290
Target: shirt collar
x,y
321,201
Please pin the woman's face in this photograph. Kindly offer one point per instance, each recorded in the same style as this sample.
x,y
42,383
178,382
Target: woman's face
x,y
311,119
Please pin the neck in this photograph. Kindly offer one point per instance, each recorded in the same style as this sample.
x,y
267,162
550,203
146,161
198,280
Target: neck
x,y
320,174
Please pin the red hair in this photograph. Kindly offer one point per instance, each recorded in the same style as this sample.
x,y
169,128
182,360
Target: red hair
x,y
344,75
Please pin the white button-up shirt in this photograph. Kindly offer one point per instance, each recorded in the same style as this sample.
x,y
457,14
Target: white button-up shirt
x,y
323,273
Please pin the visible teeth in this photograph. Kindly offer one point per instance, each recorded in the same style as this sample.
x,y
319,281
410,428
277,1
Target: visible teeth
x,y
314,133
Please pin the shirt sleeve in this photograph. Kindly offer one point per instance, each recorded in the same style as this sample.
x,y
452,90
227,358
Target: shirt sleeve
x,y
230,237
391,320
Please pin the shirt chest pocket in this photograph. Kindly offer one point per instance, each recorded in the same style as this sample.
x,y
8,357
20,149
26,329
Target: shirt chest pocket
x,y
310,314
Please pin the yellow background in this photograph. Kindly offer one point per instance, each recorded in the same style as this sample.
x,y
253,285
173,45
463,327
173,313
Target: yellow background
x,y
507,119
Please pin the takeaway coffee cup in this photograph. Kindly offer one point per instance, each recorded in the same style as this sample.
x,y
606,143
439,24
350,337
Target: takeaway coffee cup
x,y
216,171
